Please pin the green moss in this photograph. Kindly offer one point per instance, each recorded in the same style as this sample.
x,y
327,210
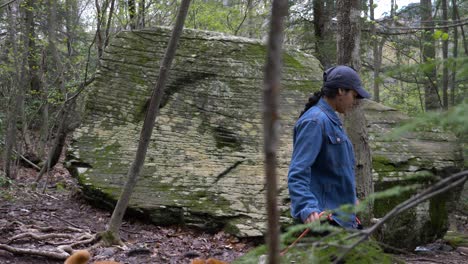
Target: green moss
x,y
383,206
306,86
231,228
290,61
438,224
456,239
254,50
381,163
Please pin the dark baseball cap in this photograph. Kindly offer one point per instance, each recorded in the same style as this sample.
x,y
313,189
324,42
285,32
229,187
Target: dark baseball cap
x,y
344,77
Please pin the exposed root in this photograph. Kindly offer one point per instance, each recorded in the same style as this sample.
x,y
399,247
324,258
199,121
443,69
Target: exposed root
x,y
39,237
59,254
64,242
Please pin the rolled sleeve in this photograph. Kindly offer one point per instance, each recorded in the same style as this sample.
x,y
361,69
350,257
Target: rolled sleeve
x,y
306,146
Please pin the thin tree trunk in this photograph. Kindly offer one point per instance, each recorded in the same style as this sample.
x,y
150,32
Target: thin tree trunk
x,y
44,131
431,94
141,14
445,77
109,23
132,13
99,37
18,92
271,123
29,73
112,233
377,53
453,83
462,30
59,142
60,136
348,40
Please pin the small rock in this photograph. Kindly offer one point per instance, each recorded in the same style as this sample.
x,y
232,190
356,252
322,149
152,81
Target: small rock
x,y
138,251
462,250
107,252
192,254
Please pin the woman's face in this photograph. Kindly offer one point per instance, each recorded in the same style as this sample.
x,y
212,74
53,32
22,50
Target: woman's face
x,y
346,100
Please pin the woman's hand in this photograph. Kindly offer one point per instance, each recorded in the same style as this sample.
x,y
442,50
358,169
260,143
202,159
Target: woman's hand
x,y
312,217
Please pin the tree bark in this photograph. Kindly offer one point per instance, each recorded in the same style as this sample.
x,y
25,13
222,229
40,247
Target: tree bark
x,y
99,41
132,13
325,41
376,53
431,95
445,77
462,30
271,118
453,84
44,131
112,233
348,41
61,133
15,110
141,14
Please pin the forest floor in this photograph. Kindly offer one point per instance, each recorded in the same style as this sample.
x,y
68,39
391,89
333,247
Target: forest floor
x,y
62,211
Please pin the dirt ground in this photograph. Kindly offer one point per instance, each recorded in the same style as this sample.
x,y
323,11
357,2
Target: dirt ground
x,y
62,211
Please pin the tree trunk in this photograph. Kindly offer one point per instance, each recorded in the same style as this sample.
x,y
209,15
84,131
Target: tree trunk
x,y
61,133
27,53
348,40
462,30
99,38
109,23
272,83
44,132
453,83
112,236
35,81
325,42
445,77
15,110
59,143
377,53
132,13
431,95
141,14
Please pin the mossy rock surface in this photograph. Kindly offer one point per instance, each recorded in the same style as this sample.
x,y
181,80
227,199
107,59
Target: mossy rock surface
x,y
456,239
415,158
204,165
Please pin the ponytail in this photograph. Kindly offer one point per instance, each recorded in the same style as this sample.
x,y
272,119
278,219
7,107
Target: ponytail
x,y
313,100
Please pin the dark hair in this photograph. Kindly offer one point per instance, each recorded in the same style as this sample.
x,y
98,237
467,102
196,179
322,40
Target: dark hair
x,y
313,100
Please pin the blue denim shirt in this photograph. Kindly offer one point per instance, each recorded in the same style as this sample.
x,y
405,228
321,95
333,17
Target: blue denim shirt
x,y
321,172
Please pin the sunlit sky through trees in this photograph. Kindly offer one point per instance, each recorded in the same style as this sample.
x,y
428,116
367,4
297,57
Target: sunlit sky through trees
x,y
383,6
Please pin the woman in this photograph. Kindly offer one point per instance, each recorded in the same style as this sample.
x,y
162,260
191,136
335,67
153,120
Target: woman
x,y
321,173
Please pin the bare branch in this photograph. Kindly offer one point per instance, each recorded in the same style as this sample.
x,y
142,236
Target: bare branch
x,y
438,188
23,157
7,3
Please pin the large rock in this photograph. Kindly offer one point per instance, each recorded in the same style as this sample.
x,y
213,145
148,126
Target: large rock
x,y
204,166
412,159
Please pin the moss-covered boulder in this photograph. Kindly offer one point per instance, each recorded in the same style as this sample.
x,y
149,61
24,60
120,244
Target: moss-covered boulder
x,y
417,159
204,165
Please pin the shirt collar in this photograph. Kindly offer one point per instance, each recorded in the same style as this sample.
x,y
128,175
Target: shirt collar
x,y
329,111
